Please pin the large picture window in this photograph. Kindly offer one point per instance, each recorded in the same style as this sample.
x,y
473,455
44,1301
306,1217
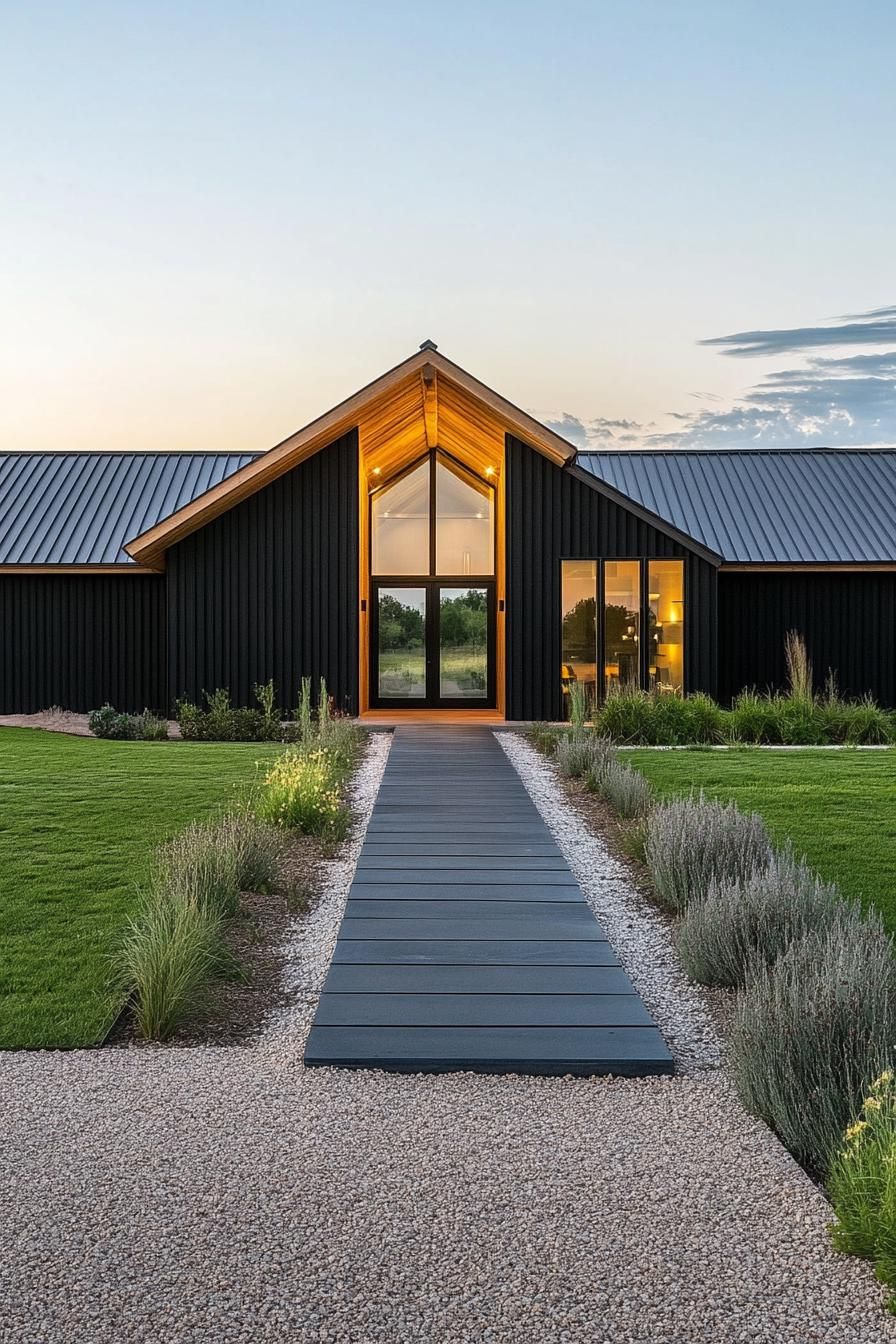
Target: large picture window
x,y
399,524
579,608
665,615
434,518
622,625
465,521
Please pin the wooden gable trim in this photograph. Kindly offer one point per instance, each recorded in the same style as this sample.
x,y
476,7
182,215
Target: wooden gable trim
x,y
430,380
149,547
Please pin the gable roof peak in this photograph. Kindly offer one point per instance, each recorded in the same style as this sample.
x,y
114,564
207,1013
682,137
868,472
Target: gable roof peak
x,y
149,547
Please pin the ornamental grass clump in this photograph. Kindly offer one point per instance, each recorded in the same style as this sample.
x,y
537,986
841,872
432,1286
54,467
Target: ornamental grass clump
x,y
151,727
753,918
171,950
579,706
690,842
303,713
813,1028
856,723
799,666
544,736
625,715
579,754
862,1182
301,791
659,718
175,944
257,849
343,741
624,789
199,867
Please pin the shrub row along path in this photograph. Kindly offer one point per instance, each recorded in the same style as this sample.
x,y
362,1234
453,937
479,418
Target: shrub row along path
x,y
213,1196
466,942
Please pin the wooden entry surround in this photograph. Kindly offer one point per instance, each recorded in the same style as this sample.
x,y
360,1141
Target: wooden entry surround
x,y
427,411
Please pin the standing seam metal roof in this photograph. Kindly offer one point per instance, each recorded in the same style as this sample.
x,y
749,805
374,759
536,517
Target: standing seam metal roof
x,y
81,508
752,506
764,505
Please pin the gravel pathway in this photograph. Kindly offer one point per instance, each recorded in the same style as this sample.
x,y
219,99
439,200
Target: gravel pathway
x,y
202,1195
214,1195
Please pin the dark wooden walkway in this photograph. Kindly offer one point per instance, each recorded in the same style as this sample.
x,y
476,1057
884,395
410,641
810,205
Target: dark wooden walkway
x,y
466,942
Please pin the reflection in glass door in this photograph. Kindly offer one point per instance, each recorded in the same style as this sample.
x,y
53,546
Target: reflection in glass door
x,y
463,644
401,644
433,644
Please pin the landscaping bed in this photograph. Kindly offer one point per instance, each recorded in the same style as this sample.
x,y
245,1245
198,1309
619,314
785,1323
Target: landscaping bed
x,y
808,971
240,1002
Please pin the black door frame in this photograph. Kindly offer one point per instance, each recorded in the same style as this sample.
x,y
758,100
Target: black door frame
x,y
433,699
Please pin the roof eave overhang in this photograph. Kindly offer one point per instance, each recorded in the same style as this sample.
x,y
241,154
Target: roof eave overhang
x,y
149,548
121,567
646,515
806,566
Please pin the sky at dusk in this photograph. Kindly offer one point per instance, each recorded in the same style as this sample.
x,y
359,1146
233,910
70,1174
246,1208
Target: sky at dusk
x,y
645,223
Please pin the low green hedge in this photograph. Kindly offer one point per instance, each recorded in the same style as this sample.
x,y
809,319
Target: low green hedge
x,y
109,723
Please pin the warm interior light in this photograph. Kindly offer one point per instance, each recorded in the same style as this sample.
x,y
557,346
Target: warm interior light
x,y
377,471
489,471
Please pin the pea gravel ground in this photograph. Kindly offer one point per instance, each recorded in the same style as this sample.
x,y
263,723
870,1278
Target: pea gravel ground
x,y
225,1194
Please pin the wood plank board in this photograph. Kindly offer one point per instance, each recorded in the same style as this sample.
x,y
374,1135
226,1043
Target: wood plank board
x,y
580,1051
481,1010
371,978
421,863
474,952
466,876
461,910
464,891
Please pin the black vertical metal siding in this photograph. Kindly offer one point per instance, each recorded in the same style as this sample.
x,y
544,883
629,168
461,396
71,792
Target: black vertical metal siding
x,y
270,588
848,621
78,640
553,516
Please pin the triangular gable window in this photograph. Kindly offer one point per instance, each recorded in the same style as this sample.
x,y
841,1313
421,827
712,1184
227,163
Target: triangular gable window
x,y
435,518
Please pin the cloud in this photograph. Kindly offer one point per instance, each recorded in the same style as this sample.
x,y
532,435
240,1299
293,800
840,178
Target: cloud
x,y
568,427
877,327
880,365
595,433
845,399
863,317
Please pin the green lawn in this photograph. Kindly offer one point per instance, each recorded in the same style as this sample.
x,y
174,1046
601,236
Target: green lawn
x,y
78,819
838,807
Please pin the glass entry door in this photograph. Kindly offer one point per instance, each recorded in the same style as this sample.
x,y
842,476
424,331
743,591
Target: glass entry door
x,y
432,645
400,629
